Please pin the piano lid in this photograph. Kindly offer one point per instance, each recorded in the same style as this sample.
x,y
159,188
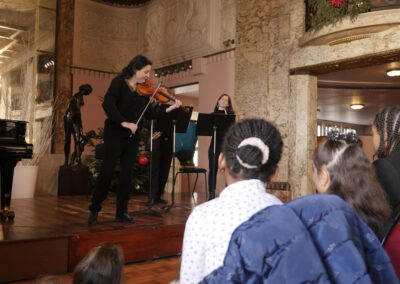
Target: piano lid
x,y
12,131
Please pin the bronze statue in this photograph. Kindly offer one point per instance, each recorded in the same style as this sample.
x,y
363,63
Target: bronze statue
x,y
73,125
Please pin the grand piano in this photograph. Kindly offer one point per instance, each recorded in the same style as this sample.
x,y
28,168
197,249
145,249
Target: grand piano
x,y
13,148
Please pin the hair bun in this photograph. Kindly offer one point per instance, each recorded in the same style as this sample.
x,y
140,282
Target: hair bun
x,y
258,143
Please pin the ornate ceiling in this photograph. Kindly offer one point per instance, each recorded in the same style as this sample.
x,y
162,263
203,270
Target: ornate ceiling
x,y
123,2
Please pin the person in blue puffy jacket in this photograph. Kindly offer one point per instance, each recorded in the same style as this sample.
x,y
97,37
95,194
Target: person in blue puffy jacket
x,y
313,239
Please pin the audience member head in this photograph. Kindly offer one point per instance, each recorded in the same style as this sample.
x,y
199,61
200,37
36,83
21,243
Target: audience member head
x,y
385,131
252,149
342,168
136,64
102,265
49,279
224,101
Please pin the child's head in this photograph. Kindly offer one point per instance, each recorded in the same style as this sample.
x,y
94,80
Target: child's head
x,y
385,131
252,149
343,169
103,264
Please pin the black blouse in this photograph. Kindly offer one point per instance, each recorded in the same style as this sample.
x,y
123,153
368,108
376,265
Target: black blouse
x,y
388,175
121,104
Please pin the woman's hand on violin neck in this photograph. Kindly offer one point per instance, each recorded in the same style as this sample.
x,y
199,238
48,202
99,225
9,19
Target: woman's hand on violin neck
x,y
176,105
156,135
131,126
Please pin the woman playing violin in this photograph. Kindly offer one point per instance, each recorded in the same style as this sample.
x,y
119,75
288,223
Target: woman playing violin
x,y
123,106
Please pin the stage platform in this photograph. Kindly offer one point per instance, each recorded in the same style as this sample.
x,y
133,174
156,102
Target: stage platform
x,y
50,234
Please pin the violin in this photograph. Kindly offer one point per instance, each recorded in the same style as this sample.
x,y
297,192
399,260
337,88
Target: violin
x,y
161,94
147,89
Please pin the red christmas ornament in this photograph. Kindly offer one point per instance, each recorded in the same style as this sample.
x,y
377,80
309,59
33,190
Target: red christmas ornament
x,y
337,3
143,160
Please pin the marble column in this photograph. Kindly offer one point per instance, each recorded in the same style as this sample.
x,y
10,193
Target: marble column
x,y
303,132
62,75
263,36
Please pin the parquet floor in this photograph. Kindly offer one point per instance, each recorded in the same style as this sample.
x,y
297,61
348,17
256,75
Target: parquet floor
x,y
150,272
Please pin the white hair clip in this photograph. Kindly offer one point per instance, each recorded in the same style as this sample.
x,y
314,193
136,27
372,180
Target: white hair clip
x,y
256,142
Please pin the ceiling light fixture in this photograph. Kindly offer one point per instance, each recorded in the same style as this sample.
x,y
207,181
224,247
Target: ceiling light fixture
x,y
357,106
393,72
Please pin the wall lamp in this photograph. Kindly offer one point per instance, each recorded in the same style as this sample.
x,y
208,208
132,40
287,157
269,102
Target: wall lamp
x,y
357,106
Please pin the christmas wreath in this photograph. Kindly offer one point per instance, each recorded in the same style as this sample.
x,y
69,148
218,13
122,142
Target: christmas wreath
x,y
324,12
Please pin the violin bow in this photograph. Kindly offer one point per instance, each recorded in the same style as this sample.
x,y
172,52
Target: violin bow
x,y
147,106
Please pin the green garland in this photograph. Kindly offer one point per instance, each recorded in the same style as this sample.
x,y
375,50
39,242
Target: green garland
x,y
320,13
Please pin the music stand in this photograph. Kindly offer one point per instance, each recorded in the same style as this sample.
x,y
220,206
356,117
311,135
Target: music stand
x,y
149,209
179,125
211,124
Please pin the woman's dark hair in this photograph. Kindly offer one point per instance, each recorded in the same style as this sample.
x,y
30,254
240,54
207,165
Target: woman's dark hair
x,y
104,264
137,63
388,122
230,107
353,179
249,154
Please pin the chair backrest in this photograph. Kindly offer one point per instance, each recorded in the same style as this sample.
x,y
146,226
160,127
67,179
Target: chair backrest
x,y
187,140
185,145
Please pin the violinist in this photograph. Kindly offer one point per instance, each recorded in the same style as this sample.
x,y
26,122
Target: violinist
x,y
223,106
124,107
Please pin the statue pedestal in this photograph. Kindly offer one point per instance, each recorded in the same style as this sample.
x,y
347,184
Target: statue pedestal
x,y
73,180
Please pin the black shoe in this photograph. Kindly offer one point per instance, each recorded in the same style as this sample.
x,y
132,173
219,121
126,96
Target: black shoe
x,y
93,218
125,219
160,200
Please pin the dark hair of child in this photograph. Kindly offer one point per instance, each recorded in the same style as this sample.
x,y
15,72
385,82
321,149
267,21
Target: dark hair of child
x,y
102,265
387,122
353,179
251,155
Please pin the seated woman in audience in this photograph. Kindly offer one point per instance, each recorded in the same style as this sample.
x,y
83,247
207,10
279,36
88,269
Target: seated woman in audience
x,y
104,264
342,168
385,136
250,154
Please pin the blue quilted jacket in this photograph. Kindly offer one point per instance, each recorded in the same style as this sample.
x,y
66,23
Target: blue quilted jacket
x,y
313,239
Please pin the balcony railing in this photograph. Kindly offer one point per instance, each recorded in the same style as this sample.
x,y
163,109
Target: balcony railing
x,y
376,5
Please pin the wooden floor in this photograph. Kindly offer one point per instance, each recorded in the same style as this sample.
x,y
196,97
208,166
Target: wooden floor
x,y
67,215
150,272
46,228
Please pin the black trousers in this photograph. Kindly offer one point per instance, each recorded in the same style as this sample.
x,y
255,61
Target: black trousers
x,y
212,171
161,164
124,149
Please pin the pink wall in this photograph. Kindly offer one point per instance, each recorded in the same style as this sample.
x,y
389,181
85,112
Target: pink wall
x,y
215,75
92,113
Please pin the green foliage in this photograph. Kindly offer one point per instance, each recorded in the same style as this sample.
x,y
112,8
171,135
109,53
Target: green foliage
x,y
99,136
322,14
140,177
